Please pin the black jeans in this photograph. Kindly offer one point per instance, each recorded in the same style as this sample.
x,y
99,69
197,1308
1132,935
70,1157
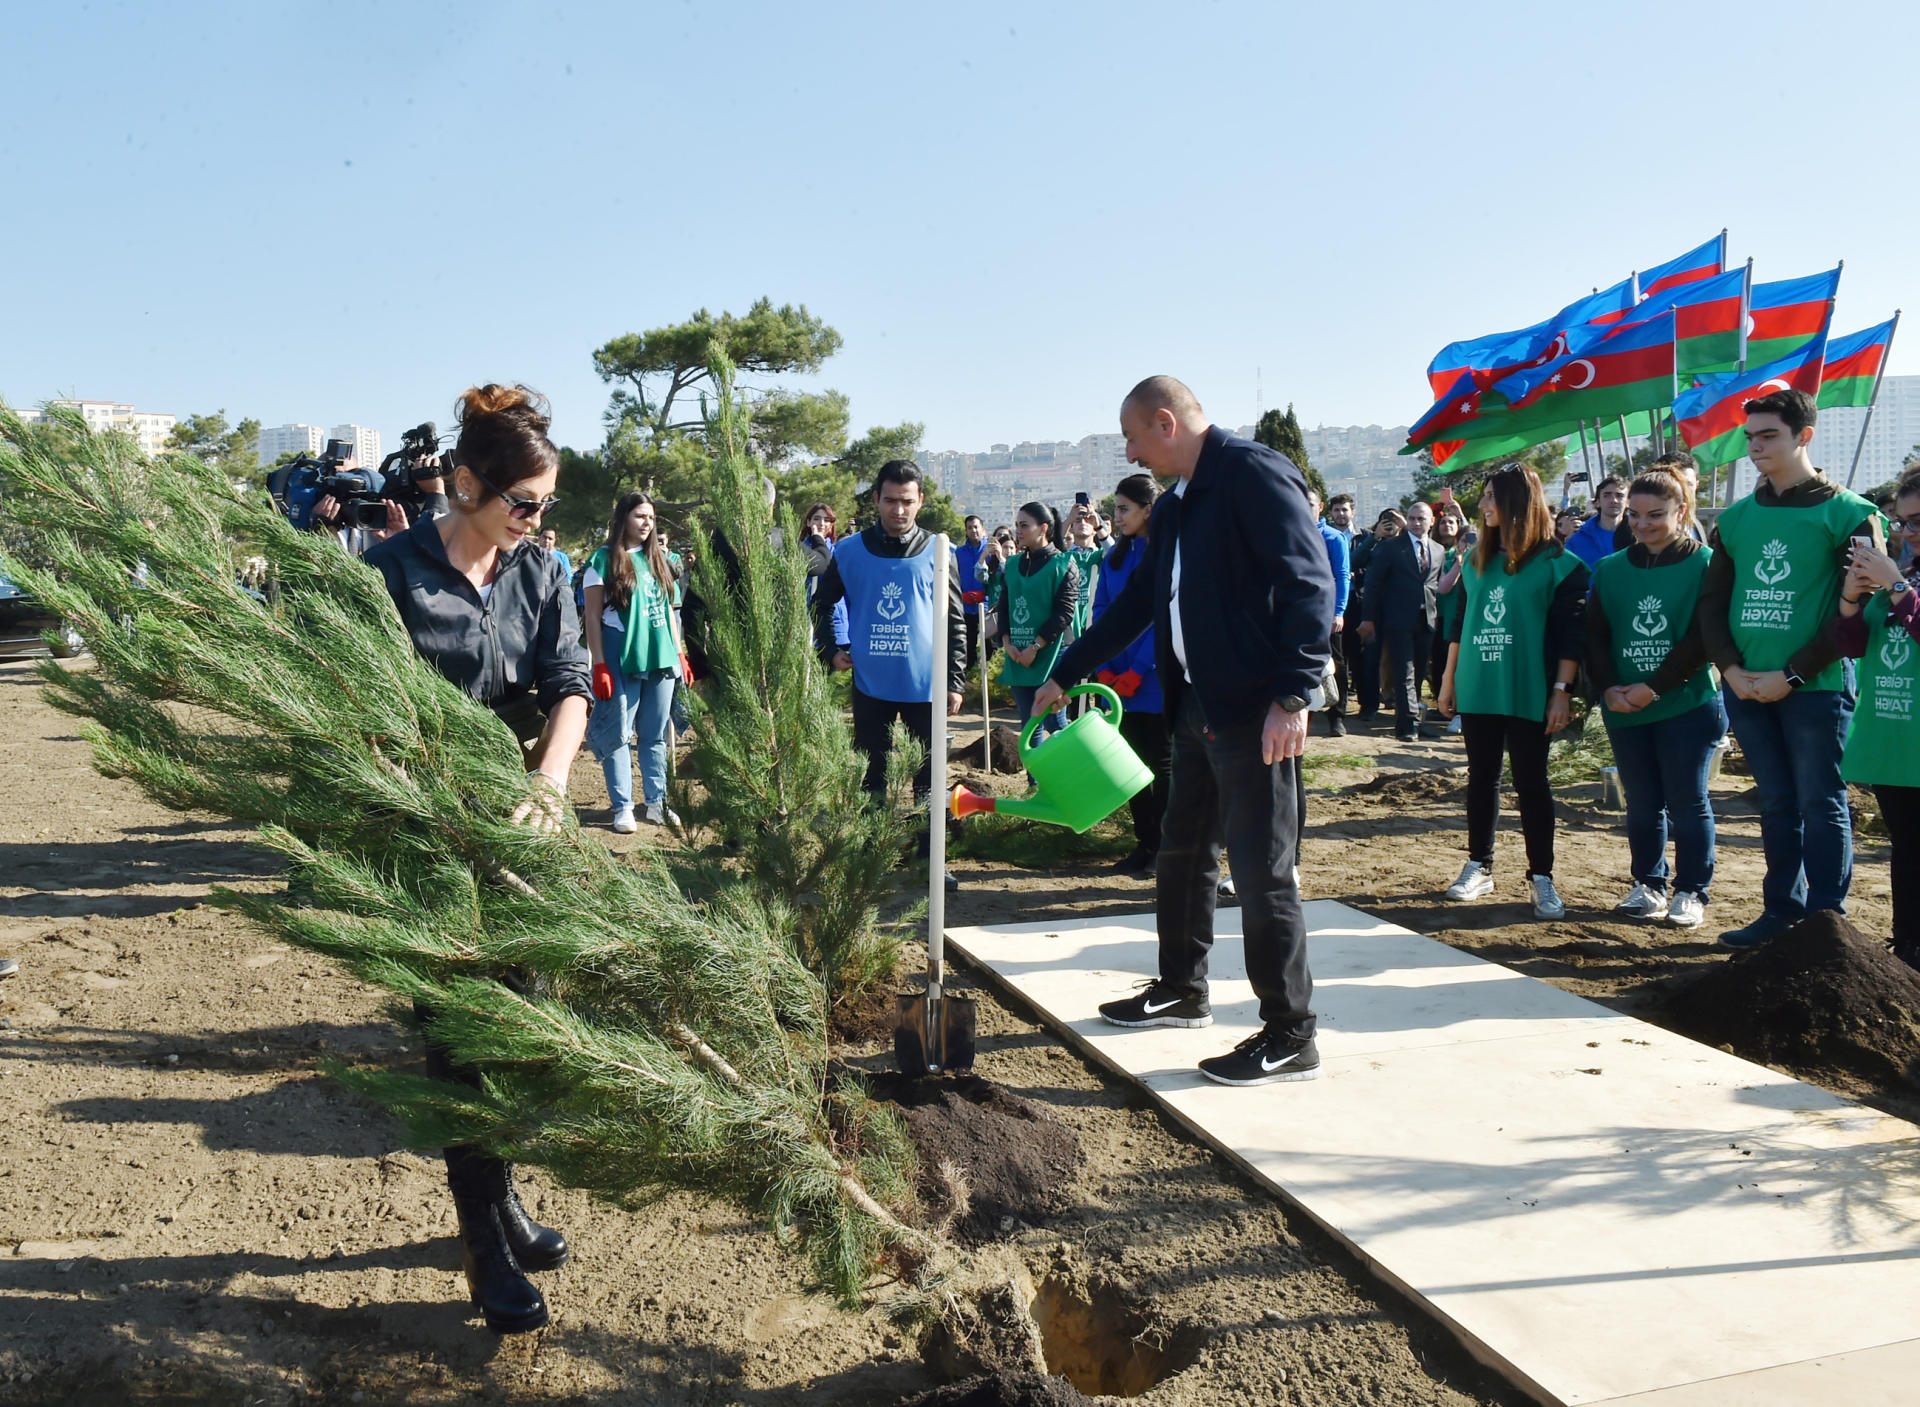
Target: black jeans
x,y
1219,791
1146,734
872,719
1523,741
1900,809
1337,647
1352,647
1366,675
1408,652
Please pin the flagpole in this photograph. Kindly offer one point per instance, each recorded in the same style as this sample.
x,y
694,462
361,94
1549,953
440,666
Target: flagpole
x,y
1746,314
1585,463
1626,453
1874,399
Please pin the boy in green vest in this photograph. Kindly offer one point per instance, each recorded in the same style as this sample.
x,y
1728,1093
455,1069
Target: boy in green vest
x,y
1768,617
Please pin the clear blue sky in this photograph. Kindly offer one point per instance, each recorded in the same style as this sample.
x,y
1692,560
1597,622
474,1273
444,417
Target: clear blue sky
x,y
346,211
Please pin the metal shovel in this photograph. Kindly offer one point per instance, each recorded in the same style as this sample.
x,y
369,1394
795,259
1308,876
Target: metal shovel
x,y
934,1031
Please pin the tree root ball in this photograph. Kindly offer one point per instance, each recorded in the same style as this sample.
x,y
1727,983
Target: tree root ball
x,y
1005,1390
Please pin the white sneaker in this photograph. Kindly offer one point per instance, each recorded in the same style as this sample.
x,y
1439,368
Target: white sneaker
x,y
1475,882
623,822
1686,910
1546,899
1643,903
658,814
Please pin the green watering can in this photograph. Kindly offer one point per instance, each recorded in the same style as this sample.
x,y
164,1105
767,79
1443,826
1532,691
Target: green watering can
x,y
1081,774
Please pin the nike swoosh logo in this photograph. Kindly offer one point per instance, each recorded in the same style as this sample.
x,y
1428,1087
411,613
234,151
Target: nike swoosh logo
x,y
1153,1010
1271,1065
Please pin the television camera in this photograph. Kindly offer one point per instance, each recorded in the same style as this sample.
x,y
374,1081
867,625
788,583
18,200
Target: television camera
x,y
361,494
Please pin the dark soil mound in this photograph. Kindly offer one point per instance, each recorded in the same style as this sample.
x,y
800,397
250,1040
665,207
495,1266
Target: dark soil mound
x,y
1018,1163
1412,788
1006,751
1005,1390
1820,997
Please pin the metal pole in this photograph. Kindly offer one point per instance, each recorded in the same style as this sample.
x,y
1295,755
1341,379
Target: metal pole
x,y
1585,462
936,817
986,697
1873,400
1626,455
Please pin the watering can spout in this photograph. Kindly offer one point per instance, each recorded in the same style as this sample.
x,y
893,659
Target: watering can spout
x,y
1039,807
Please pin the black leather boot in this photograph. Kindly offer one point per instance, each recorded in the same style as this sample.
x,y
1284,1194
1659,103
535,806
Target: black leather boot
x,y
508,1301
536,1247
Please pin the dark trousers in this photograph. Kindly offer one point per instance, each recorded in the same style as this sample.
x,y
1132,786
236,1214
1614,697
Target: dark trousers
x,y
1220,791
1337,647
1146,734
1352,648
1367,675
872,722
1408,652
1523,742
1793,747
1437,662
1900,809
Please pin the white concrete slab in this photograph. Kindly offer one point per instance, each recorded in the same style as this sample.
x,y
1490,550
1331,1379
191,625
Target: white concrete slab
x,y
1604,1208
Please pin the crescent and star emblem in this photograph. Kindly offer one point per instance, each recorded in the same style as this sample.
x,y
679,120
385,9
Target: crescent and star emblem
x,y
1766,386
1592,371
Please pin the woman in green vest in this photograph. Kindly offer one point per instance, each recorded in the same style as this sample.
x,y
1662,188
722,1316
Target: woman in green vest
x,y
1648,664
1879,626
1510,662
1034,598
631,628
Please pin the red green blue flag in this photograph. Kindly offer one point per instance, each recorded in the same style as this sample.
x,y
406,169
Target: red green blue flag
x,y
1854,363
1713,415
1604,372
1692,267
1709,314
1500,352
1787,315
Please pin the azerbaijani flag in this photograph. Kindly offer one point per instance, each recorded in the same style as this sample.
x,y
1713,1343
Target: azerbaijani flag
x,y
1708,318
1787,315
1501,352
1713,414
1694,266
1604,372
1853,365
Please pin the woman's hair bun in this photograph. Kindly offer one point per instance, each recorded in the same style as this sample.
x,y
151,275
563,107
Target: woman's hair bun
x,y
495,399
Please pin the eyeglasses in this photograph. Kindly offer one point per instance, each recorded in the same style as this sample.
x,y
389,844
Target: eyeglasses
x,y
1911,525
517,507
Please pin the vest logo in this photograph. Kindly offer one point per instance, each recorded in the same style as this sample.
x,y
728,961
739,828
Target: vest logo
x,y
1495,610
1897,651
1773,566
1022,613
1650,617
892,604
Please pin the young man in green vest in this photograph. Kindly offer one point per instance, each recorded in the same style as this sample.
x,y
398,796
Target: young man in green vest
x,y
1768,617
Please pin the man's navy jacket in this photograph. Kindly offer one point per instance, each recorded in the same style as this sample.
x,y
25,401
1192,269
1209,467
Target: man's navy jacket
x,y
1256,590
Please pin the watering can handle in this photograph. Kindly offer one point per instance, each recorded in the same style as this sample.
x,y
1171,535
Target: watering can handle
x,y
1099,691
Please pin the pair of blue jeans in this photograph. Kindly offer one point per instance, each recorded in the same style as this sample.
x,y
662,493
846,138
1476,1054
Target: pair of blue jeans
x,y
1793,747
1023,700
638,710
1663,766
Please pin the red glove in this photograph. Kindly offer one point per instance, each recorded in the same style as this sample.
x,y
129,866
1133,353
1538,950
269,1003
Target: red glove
x,y
973,598
1105,676
1128,684
602,682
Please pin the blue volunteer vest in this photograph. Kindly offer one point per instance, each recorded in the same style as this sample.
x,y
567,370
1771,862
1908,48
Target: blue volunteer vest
x,y
890,619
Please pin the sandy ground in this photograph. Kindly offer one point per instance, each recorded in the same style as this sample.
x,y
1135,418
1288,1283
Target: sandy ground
x,y
190,1212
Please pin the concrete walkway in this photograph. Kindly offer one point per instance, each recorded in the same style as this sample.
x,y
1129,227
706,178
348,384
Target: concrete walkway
x,y
1606,1211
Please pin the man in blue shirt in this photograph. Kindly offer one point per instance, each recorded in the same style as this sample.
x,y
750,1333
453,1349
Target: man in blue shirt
x,y
1340,558
1593,539
966,557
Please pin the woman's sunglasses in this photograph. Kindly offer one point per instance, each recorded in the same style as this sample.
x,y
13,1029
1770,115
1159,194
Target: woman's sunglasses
x,y
517,507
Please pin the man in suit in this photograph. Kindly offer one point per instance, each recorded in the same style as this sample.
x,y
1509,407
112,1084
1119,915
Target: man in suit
x,y
1401,608
1236,583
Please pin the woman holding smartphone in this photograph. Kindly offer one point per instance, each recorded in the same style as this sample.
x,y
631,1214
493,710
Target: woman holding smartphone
x,y
1510,664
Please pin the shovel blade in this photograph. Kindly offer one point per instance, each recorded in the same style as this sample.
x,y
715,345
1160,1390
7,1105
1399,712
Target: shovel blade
x,y
952,1046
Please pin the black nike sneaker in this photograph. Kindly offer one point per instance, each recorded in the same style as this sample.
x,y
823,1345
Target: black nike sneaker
x,y
1264,1058
1158,1005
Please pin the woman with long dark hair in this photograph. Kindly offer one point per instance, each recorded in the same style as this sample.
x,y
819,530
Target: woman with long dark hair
x,y
1510,664
633,600
1033,598
494,614
1131,673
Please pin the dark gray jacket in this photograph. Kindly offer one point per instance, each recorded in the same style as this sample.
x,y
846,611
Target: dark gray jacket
x,y
522,641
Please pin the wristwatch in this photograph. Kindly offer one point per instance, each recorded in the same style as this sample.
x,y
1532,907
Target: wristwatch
x,y
1794,681
1559,686
1292,703
1901,585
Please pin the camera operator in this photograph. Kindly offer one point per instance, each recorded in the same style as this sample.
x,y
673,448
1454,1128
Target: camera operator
x,y
494,614
335,494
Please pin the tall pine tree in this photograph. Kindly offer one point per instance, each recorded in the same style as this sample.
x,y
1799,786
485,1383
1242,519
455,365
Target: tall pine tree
x,y
1281,431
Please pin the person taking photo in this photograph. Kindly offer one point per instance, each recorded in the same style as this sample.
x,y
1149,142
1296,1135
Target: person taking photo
x,y
494,614
1509,670
1647,662
633,615
1879,626
1769,615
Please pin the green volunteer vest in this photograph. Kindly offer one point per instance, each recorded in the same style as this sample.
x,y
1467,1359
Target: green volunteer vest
x,y
1649,609
1881,747
1088,560
1453,606
1503,641
1786,576
649,643
1027,601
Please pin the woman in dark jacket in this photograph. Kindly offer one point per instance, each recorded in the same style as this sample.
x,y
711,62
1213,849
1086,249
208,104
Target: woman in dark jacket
x,y
494,613
1131,673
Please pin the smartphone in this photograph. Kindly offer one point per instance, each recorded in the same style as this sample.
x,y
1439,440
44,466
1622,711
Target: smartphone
x,y
1082,499
1861,543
